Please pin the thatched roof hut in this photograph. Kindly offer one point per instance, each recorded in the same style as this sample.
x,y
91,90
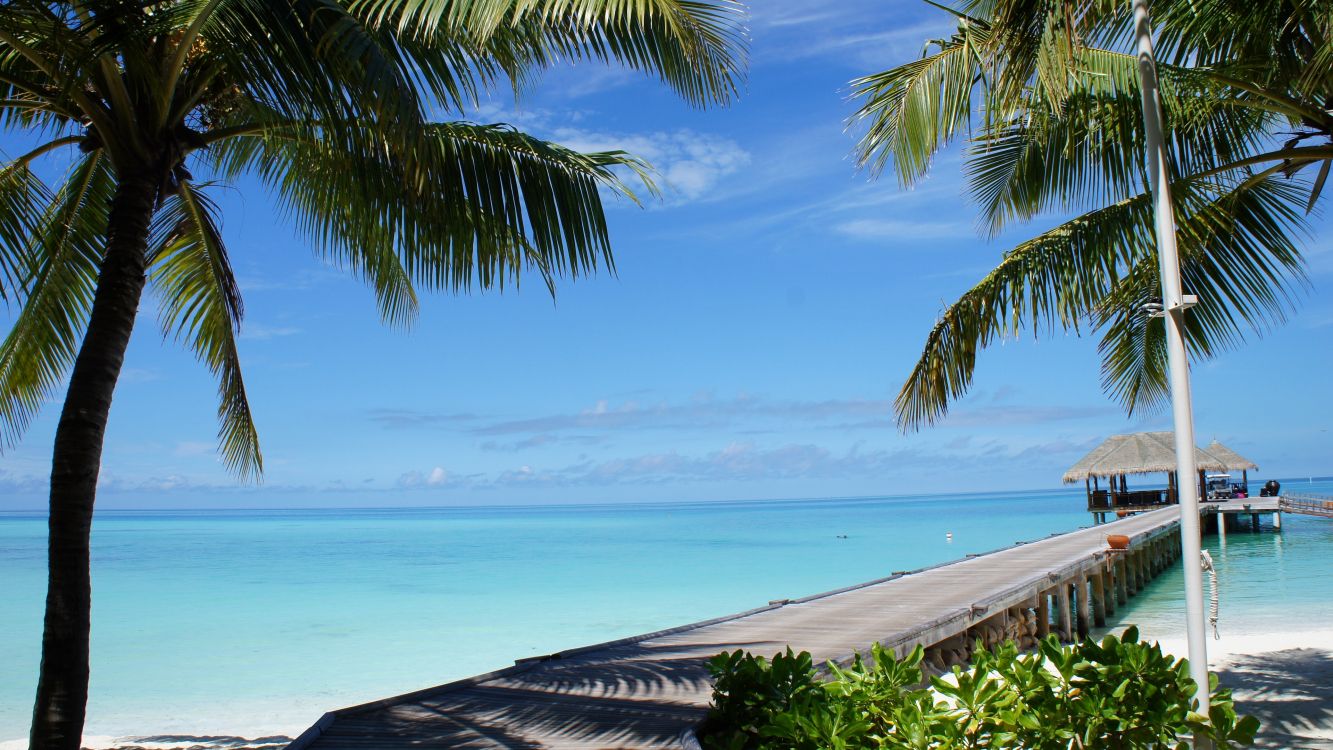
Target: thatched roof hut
x,y
1149,453
1231,460
1143,453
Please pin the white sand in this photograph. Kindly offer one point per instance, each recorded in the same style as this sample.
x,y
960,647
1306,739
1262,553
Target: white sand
x,y
1285,679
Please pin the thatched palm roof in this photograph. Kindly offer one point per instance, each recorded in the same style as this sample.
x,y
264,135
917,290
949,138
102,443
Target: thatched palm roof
x,y
1233,460
1148,453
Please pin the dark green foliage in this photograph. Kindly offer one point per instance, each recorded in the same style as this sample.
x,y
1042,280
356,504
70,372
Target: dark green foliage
x,y
1118,694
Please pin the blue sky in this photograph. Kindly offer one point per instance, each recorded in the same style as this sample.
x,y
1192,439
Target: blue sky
x,y
763,316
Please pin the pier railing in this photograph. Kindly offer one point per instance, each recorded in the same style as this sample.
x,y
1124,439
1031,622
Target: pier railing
x,y
1310,505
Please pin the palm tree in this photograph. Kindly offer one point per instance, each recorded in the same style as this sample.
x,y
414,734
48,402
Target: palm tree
x,y
326,102
1050,110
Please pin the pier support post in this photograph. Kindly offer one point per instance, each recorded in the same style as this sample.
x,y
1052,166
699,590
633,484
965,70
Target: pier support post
x,y
1277,521
1222,526
1064,612
1084,624
1135,572
1108,589
1043,615
1121,589
1254,522
1097,597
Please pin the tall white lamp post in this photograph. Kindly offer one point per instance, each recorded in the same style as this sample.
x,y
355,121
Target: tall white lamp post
x,y
1174,305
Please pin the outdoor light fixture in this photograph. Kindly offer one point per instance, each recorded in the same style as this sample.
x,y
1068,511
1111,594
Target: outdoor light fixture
x,y
1155,309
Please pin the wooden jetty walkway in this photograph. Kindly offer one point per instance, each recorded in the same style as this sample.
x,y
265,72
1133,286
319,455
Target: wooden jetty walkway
x,y
1310,505
650,691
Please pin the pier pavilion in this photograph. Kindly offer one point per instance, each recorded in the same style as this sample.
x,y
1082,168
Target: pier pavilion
x,y
1145,453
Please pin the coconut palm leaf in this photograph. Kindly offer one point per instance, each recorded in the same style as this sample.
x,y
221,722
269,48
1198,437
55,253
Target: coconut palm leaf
x,y
468,206
201,306
56,295
23,197
1099,269
1090,150
914,110
696,48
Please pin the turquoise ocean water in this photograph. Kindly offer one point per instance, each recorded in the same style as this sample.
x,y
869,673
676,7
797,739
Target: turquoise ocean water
x,y
255,622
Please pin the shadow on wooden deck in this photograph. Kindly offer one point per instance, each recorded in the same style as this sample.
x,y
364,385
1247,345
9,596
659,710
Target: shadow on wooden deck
x,y
632,695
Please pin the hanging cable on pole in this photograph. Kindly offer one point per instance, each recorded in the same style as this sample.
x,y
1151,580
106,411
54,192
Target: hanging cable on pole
x,y
1214,604
1174,304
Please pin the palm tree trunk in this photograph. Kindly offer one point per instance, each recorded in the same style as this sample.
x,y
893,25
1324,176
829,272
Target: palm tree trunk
x,y
62,688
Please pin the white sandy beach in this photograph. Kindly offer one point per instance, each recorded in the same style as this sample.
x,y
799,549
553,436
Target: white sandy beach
x,y
1283,678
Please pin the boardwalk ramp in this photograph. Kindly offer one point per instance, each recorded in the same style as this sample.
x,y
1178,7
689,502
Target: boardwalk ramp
x,y
652,690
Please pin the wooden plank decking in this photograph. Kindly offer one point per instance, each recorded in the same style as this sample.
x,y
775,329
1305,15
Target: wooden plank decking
x,y
1309,505
650,691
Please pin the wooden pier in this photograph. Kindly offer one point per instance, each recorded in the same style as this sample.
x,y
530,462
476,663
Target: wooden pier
x,y
1309,505
651,691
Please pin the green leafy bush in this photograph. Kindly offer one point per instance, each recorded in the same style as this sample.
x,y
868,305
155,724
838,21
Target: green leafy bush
x,y
1116,694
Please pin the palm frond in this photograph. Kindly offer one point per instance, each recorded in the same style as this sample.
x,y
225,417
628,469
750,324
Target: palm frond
x,y
912,111
201,305
1237,254
1090,149
56,296
23,199
697,48
465,206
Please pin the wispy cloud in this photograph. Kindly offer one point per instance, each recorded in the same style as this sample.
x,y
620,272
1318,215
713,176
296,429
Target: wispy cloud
x,y
746,461
416,418
261,332
901,229
193,448
691,164
436,477
1023,414
700,413
541,440
856,32
742,414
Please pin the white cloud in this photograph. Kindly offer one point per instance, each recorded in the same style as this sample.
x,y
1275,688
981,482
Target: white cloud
x,y
436,477
690,164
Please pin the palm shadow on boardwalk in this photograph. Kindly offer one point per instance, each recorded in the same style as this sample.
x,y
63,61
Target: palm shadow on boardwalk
x,y
633,695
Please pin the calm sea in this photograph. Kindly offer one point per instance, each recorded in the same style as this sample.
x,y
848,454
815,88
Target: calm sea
x,y
256,622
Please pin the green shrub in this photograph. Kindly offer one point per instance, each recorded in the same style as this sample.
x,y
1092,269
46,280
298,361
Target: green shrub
x,y
1116,694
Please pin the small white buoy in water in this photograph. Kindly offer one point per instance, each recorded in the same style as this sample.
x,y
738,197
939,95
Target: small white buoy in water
x,y
948,536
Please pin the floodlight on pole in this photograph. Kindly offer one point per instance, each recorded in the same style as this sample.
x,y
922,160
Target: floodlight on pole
x,y
1174,305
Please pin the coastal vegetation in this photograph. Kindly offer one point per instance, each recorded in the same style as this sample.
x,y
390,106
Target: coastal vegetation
x,y
333,107
1115,693
1045,97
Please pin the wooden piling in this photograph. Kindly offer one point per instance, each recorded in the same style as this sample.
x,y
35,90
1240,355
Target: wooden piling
x,y
1084,624
1064,612
1044,614
1098,598
1121,589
